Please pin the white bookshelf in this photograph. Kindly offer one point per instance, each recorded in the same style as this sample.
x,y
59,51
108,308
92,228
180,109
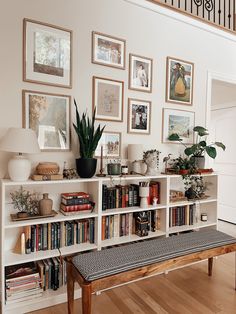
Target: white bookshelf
x,y
10,230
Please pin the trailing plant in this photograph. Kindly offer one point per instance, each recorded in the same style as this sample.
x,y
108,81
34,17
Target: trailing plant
x,y
24,201
182,163
87,135
200,147
194,186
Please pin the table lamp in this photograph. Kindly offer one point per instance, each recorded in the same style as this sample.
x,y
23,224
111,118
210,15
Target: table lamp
x,y
135,156
20,141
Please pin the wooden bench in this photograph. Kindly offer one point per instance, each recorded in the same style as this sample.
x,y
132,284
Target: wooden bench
x,y
99,270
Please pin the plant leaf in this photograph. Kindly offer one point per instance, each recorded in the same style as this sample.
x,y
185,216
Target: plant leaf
x,y
174,137
203,143
219,144
211,151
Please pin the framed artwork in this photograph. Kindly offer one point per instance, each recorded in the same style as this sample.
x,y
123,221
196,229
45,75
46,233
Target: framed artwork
x,y
111,143
179,81
178,121
139,112
49,116
47,55
140,73
108,50
108,98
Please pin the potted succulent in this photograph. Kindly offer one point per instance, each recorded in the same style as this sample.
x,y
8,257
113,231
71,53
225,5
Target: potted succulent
x,y
197,151
183,165
88,140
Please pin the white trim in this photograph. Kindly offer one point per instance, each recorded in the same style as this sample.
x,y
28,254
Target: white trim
x,y
182,18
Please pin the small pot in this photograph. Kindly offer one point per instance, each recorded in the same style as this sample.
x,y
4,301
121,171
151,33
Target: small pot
x,y
114,169
199,162
183,171
86,167
22,215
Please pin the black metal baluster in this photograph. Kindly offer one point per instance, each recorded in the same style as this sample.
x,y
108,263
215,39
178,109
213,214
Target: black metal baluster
x,y
224,13
191,6
214,13
203,9
179,4
185,5
229,14
172,3
219,12
234,15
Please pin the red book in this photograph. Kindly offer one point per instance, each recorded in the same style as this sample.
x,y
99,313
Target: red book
x,y
74,195
76,208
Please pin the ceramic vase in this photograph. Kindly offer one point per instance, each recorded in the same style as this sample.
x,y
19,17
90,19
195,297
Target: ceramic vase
x,y
45,205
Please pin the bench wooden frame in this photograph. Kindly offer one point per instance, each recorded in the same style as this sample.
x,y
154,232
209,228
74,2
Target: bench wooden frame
x,y
89,287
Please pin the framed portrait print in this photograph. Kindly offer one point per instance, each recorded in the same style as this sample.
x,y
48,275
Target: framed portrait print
x,y
49,116
140,73
180,122
108,50
108,99
111,143
139,112
179,81
47,55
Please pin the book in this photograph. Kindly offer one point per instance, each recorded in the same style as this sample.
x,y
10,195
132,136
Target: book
x,y
46,177
74,195
73,208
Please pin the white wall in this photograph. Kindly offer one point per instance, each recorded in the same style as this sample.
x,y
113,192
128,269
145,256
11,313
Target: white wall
x,y
147,33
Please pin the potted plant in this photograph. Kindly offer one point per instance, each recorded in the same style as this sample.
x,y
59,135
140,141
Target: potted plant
x,y
183,165
194,187
88,140
197,151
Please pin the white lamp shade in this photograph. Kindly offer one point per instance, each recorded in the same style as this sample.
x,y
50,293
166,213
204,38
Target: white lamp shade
x,y
135,152
19,140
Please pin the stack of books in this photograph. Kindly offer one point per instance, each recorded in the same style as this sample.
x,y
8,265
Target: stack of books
x,y
75,202
22,283
182,215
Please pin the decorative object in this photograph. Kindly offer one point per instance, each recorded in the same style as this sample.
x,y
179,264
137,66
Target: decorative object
x,y
177,196
154,201
45,168
46,177
180,122
69,173
124,170
140,73
49,116
143,194
15,217
111,142
179,81
135,156
139,113
114,168
47,54
141,224
108,98
165,160
151,158
101,171
108,50
197,150
194,187
203,217
88,139
45,205
21,141
26,203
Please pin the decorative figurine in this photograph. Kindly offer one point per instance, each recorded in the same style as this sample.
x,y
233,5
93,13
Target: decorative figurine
x,y
165,160
151,158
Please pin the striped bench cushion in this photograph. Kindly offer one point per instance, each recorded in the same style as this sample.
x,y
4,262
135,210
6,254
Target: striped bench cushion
x,y
99,264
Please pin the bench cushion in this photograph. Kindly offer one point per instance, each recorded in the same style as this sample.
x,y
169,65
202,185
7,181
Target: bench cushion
x,y
99,264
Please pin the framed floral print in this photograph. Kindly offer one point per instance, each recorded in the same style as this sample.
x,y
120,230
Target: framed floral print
x,y
49,116
47,54
179,81
139,112
180,122
108,50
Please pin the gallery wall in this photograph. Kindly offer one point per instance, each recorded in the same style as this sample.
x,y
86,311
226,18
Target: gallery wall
x,y
147,33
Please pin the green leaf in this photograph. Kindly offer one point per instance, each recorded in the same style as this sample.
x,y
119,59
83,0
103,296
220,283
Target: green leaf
x,y
203,143
211,151
188,151
174,137
219,144
200,130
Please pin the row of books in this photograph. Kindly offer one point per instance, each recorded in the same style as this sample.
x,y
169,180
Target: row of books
x,y
52,236
52,272
182,215
75,202
22,282
114,226
120,196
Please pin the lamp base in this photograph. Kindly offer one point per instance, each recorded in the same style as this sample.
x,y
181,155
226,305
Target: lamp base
x,y
19,168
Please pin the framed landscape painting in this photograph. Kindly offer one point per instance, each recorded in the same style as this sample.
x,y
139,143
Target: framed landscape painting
x,y
111,143
49,116
180,122
140,73
108,99
139,112
179,81
47,54
108,50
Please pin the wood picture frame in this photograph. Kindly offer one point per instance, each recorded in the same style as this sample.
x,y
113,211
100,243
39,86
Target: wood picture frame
x,y
179,81
47,54
49,115
181,122
140,73
139,116
111,142
108,98
108,50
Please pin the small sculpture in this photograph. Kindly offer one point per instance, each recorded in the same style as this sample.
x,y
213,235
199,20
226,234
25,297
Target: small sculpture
x,y
151,158
165,160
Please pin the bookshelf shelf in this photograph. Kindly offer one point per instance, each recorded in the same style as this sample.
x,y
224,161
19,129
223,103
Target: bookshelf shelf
x,y
10,230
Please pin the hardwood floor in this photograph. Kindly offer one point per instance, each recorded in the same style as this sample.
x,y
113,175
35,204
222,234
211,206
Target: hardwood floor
x,y
184,291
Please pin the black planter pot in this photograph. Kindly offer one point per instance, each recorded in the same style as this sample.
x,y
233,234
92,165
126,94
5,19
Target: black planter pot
x,y
86,167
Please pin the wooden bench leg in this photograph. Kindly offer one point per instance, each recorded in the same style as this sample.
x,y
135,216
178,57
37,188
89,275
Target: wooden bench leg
x,y
86,299
210,266
70,288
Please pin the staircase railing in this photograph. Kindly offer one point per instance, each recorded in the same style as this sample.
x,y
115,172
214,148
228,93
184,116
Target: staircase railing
x,y
221,13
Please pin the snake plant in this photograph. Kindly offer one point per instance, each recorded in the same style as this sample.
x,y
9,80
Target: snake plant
x,y
87,135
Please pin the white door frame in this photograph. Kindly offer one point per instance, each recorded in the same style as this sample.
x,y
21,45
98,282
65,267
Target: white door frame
x,y
219,77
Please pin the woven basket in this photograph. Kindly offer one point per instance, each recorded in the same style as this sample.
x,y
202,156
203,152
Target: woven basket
x,y
45,168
